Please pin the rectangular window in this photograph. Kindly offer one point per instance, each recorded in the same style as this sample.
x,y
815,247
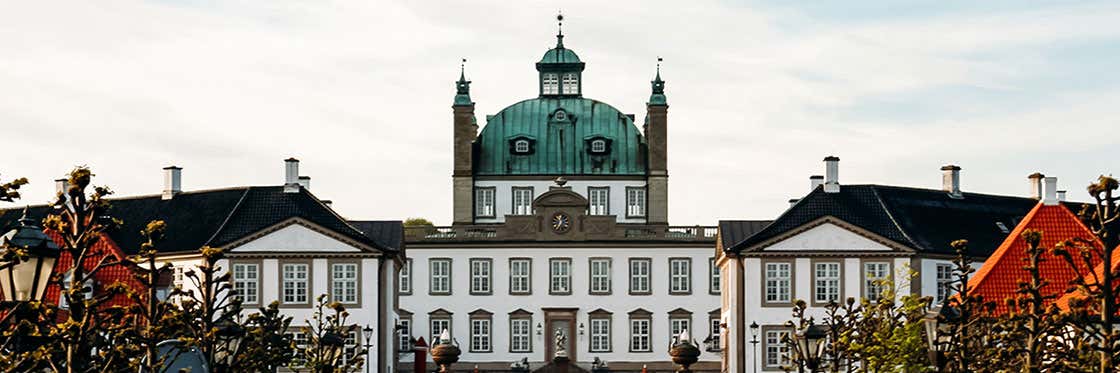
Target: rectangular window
x,y
299,341
777,352
598,201
639,335
404,338
826,282
600,276
635,202
522,201
295,283
639,276
680,276
550,84
520,337
246,282
560,276
600,335
440,271
714,276
677,325
178,275
480,276
520,276
570,84
439,324
350,346
484,202
480,335
779,278
344,283
944,282
716,332
875,279
404,282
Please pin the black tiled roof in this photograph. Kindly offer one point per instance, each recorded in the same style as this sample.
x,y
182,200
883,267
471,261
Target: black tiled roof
x,y
926,220
735,231
212,217
388,232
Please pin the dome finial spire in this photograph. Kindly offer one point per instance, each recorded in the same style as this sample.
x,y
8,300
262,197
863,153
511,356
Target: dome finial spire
x,y
657,96
463,86
463,70
559,29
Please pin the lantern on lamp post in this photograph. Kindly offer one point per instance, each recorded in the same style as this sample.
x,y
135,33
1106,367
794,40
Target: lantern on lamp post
x,y
29,256
810,343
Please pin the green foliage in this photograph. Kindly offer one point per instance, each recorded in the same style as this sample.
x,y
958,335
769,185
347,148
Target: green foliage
x,y
327,332
418,222
9,191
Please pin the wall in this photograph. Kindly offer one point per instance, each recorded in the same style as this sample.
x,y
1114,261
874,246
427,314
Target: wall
x,y
503,196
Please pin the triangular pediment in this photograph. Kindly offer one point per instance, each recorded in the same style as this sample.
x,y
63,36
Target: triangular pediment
x,y
294,236
831,234
560,197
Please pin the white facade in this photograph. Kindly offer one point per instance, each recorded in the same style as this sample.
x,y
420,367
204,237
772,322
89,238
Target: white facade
x,y
699,299
504,199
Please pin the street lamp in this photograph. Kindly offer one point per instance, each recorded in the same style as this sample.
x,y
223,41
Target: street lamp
x,y
754,346
29,257
809,343
334,343
933,323
367,334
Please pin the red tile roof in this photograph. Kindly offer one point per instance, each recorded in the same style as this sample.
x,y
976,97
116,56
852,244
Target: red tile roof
x,y
1065,301
999,278
105,247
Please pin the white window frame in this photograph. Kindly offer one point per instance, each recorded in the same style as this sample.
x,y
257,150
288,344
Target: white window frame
x,y
520,334
778,282
404,280
521,146
640,335
522,200
600,340
482,271
776,353
826,281
716,331
436,325
560,276
439,272
484,206
520,276
640,277
404,335
246,282
677,324
481,330
600,281
873,275
598,146
350,343
344,282
296,278
570,83
714,277
635,202
944,278
599,201
680,276
550,83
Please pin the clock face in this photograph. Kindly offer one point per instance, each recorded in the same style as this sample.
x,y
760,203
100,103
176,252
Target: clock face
x,y
561,222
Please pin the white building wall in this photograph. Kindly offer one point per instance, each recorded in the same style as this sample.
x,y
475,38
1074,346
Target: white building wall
x,y
503,195
501,303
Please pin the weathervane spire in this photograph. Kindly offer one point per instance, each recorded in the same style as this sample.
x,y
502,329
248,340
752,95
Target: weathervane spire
x,y
559,29
463,70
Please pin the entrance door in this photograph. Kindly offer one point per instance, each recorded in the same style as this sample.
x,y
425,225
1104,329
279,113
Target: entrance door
x,y
560,319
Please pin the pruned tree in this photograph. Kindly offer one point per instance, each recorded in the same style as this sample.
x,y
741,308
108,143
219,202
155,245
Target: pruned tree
x,y
326,334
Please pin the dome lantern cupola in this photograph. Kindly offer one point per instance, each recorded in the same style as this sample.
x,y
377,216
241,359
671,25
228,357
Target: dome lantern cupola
x,y
657,96
560,69
463,86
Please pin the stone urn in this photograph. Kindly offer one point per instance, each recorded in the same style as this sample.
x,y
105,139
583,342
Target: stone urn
x,y
445,352
684,353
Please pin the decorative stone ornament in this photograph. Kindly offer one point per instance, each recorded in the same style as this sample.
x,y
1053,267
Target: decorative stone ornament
x,y
445,352
684,352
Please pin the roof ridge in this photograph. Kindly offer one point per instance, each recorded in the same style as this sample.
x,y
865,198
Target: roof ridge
x,y
935,190
890,216
346,223
739,245
225,221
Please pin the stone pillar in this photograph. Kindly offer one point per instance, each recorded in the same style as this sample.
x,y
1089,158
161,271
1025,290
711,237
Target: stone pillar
x,y
657,203
465,132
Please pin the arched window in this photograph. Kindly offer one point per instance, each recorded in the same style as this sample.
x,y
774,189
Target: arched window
x,y
521,146
598,146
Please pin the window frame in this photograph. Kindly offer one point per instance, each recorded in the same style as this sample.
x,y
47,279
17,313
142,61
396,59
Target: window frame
x,y
493,192
488,278
521,315
546,84
517,146
565,81
764,333
648,276
814,278
591,262
233,263
715,331
483,318
792,282
440,315
715,277
431,276
404,334
687,277
636,317
357,263
944,287
864,279
528,276
308,281
606,205
513,200
404,276
552,275
600,316
644,202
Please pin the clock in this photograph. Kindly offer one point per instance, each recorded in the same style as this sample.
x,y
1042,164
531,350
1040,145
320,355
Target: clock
x,y
561,222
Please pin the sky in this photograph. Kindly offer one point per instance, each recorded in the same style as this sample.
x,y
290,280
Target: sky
x,y
361,93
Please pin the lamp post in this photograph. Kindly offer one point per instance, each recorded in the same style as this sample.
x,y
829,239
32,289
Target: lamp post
x,y
935,342
29,256
809,345
367,334
754,346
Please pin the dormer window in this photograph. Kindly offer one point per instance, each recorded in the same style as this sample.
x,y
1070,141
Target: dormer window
x,y
550,84
598,146
521,146
570,84
560,116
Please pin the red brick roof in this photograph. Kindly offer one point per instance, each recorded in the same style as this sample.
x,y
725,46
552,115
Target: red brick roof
x,y
121,273
999,278
1064,302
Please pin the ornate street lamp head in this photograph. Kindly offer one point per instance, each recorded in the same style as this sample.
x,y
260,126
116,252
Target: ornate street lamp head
x,y
29,256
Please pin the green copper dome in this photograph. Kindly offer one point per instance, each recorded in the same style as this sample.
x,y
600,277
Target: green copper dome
x,y
565,136
560,55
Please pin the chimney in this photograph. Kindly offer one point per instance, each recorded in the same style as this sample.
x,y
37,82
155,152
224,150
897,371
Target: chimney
x,y
305,182
793,201
172,181
1050,191
815,181
291,175
1061,196
61,185
832,174
951,180
1036,184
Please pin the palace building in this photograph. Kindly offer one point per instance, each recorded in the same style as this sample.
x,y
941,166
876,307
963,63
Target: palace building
x,y
561,226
